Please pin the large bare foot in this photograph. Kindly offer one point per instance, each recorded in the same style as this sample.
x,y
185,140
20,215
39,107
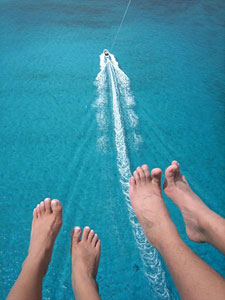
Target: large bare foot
x,y
193,209
85,260
47,221
147,202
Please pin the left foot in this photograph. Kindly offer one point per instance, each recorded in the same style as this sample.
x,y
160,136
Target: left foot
x,y
85,260
47,221
148,205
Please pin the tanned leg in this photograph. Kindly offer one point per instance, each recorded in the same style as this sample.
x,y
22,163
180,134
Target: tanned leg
x,y
85,260
47,221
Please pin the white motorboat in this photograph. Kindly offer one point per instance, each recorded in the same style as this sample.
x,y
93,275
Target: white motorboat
x,y
106,52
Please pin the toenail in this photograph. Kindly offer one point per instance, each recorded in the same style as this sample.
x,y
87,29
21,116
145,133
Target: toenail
x,y
87,227
54,202
47,199
76,229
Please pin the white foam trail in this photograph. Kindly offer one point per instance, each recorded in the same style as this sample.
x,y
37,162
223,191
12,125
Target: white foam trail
x,y
123,83
101,105
103,143
120,89
137,141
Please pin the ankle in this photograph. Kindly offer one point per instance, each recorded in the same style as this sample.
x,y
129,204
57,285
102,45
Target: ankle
x,y
213,225
85,286
162,232
82,275
35,265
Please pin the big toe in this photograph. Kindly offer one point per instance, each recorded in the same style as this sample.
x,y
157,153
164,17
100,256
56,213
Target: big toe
x,y
75,237
174,162
170,174
156,175
56,207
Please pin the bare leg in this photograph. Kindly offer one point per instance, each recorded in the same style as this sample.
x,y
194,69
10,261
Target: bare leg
x,y
85,260
47,221
193,278
202,224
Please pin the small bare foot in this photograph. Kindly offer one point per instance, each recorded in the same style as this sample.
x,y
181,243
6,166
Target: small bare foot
x,y
85,260
47,221
147,202
194,211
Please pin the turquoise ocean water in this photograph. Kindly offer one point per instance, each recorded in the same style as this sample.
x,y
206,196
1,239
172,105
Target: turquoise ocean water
x,y
173,54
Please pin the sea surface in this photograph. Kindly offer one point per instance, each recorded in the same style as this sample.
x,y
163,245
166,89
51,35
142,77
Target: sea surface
x,y
58,140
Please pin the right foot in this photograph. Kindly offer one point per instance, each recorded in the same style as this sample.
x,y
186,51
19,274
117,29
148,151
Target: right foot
x,y
194,211
149,207
85,260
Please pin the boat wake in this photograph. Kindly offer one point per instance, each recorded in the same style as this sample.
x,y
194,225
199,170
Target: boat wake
x,y
113,88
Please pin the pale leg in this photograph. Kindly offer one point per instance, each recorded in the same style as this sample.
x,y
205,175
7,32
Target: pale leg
x,y
193,278
202,224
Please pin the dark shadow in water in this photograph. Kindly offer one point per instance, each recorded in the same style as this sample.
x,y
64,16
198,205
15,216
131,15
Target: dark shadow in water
x,y
164,11
66,13
166,8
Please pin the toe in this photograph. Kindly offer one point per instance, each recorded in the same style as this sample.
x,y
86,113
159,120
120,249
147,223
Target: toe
x,y
56,207
47,203
35,215
132,181
169,174
38,210
98,245
94,240
156,175
175,163
141,174
146,171
75,236
42,207
132,185
177,170
91,235
85,233
137,177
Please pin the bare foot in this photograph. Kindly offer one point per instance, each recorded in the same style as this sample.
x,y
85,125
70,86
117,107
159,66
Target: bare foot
x,y
85,260
47,221
192,208
147,202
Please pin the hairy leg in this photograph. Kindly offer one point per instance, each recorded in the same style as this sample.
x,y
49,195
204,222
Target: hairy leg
x,y
85,260
202,224
193,278
47,221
